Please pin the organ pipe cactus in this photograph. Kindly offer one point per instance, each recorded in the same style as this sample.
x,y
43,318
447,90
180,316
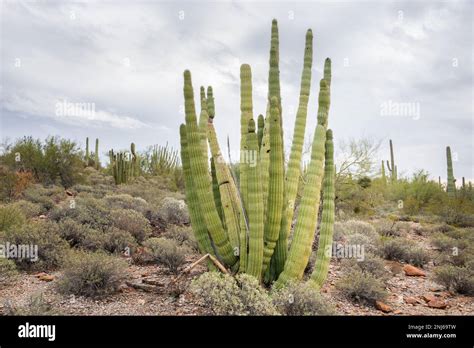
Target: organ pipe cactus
x,y
392,168
451,186
247,224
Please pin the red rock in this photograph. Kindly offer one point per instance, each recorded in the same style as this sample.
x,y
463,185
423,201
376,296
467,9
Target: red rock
x,y
411,300
397,311
413,271
382,307
429,297
437,303
40,274
46,278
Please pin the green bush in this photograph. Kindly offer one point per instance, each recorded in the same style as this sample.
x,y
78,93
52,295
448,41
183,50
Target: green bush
x,y
459,279
125,201
361,287
92,275
117,240
223,294
29,209
371,264
183,235
11,216
299,298
43,234
166,252
87,211
54,161
131,221
35,306
7,270
404,250
174,211
81,236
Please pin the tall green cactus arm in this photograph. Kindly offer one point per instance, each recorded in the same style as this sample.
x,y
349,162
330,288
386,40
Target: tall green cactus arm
x,y
323,255
216,193
327,72
392,168
200,175
197,220
276,185
451,186
246,109
255,212
210,102
87,151
96,160
305,227
229,198
294,164
261,124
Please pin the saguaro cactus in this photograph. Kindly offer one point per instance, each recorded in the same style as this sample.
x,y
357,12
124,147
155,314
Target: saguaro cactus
x,y
96,154
87,151
391,166
451,186
250,234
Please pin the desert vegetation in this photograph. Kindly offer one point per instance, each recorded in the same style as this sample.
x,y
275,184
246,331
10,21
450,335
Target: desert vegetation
x,y
183,231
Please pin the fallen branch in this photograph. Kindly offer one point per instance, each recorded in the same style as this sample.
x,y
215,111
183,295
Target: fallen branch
x,y
194,264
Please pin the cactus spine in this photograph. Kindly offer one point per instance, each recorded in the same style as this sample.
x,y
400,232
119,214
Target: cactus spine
x,y
451,187
257,213
392,168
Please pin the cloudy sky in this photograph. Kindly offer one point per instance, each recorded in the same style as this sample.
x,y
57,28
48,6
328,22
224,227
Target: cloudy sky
x,y
401,70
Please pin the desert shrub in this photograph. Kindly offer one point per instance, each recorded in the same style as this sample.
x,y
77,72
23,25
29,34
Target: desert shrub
x,y
371,264
443,242
13,183
92,275
299,298
125,201
11,216
183,235
82,236
29,209
174,211
361,287
339,231
35,306
459,279
360,227
223,294
370,245
455,211
43,234
404,250
131,221
117,240
86,210
166,252
7,270
385,227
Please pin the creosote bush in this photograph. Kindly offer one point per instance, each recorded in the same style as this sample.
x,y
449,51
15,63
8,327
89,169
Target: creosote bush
x,y
174,211
183,235
7,271
29,209
361,287
45,235
92,274
223,294
298,298
131,221
459,279
404,250
117,240
166,252
371,264
11,217
81,236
